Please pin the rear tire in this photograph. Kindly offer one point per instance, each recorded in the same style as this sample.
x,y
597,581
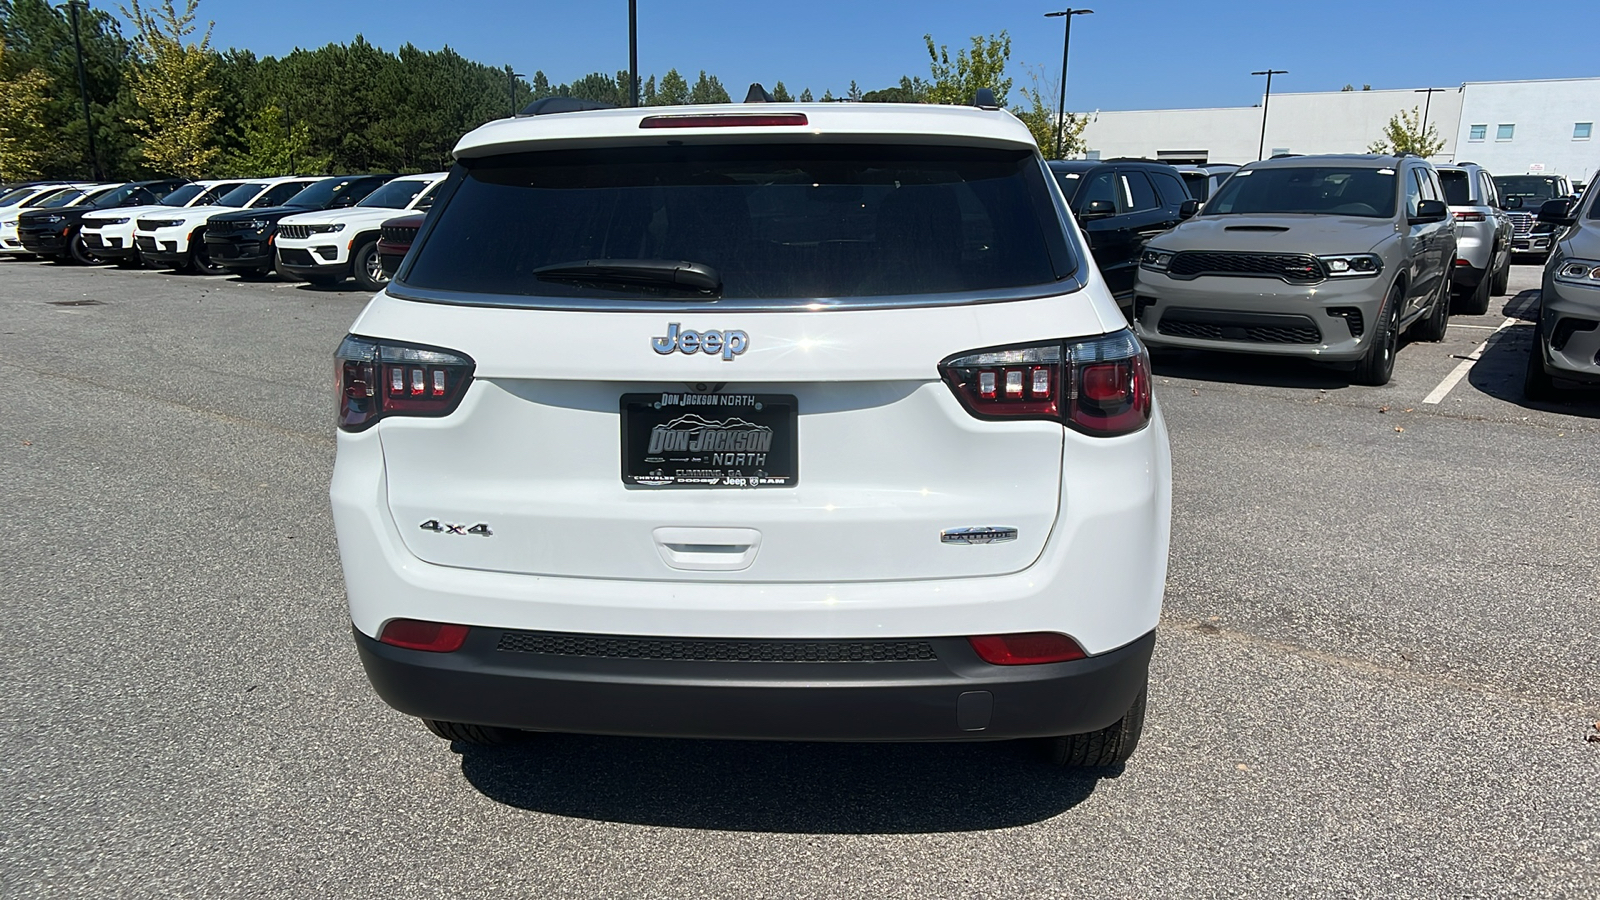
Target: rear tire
x,y
1536,382
477,735
1431,327
1477,302
200,259
1110,746
1377,367
367,267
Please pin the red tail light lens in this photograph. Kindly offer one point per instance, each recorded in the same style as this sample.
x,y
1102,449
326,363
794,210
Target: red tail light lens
x,y
1030,649
415,634
1099,386
1469,217
386,378
723,120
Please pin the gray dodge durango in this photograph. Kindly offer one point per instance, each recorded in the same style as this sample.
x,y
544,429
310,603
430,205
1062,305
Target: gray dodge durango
x,y
1328,257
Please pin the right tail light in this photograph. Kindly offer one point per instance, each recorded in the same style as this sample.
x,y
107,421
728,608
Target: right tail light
x,y
1099,386
378,378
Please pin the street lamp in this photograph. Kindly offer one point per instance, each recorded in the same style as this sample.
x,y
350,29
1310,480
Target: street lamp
x,y
1066,44
1422,133
514,76
83,88
1261,149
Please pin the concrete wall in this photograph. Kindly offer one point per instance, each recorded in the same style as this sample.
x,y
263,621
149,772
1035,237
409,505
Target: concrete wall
x,y
1347,121
1544,113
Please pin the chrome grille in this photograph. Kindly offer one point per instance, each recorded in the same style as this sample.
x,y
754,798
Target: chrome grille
x,y
1295,268
294,232
399,234
1521,223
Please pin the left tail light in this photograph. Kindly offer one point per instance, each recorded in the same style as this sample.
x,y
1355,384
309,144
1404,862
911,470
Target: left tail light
x,y
1099,386
378,378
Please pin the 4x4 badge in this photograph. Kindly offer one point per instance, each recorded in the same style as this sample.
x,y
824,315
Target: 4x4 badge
x,y
727,343
437,527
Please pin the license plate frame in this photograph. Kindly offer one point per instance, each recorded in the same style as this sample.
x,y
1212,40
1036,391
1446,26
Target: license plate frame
x,y
683,439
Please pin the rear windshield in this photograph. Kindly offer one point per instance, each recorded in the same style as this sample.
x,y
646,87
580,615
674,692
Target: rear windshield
x,y
775,221
1457,187
1199,184
1307,189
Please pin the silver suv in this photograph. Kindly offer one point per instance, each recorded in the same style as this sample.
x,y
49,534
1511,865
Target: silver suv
x,y
1483,236
1326,257
1567,344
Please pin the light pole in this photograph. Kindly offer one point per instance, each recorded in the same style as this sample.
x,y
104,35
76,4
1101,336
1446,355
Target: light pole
x,y
514,75
83,88
1066,44
1422,133
633,52
1261,149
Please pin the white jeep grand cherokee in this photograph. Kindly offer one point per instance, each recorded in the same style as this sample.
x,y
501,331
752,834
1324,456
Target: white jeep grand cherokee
x,y
807,422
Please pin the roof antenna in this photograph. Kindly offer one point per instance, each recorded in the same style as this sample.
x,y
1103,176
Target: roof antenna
x,y
757,94
984,99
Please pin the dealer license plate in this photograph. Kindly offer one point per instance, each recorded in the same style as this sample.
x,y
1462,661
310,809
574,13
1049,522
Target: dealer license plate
x,y
710,440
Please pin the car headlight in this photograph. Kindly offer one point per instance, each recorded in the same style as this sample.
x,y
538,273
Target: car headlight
x,y
1155,260
104,222
1579,271
325,229
1353,265
51,220
255,225
163,223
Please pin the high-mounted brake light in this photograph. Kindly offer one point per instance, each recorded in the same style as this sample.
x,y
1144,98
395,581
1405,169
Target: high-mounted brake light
x,y
386,378
1029,649
1099,386
723,120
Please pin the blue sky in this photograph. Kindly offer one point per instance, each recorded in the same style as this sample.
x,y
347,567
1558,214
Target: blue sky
x,y
1128,55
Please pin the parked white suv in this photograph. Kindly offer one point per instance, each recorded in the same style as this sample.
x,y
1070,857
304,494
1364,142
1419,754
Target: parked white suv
x,y
176,239
109,234
55,196
767,421
330,245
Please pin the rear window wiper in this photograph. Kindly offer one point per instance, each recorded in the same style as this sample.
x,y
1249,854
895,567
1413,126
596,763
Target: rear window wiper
x,y
677,274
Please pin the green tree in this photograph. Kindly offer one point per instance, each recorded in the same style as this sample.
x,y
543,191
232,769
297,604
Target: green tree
x,y
828,97
647,94
674,90
855,91
24,139
1039,114
956,82
708,90
171,81
780,94
1403,134
805,96
910,90
271,145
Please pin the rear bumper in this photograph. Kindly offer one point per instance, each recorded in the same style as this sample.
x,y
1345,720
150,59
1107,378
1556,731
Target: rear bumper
x,y
953,697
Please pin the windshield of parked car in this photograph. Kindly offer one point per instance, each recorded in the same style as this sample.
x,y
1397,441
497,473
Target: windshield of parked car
x,y
1326,190
775,221
60,198
1529,187
182,195
129,195
17,195
328,193
1199,184
240,197
395,194
1457,187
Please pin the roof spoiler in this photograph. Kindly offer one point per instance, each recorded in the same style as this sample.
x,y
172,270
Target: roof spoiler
x,y
757,94
552,105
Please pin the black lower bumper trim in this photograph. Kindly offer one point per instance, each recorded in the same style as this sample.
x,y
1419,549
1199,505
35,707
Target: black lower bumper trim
x,y
953,697
163,259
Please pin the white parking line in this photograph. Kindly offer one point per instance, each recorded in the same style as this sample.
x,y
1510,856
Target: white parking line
x,y
1438,394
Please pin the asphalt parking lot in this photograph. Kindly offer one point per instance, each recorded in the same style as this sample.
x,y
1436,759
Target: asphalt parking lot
x,y
1378,665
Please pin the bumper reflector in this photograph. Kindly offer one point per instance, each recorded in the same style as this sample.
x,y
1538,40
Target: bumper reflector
x,y
414,634
1028,649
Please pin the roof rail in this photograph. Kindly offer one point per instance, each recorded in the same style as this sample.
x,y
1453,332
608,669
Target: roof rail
x,y
984,99
551,105
757,94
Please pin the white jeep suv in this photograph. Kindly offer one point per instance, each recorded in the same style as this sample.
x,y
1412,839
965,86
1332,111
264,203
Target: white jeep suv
x,y
109,234
327,246
176,239
809,422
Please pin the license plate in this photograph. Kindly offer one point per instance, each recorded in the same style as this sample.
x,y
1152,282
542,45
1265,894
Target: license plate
x,y
710,440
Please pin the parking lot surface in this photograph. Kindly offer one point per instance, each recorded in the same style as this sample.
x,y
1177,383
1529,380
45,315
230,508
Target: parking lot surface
x,y
1378,665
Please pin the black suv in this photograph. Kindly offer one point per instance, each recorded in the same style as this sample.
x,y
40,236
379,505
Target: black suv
x,y
242,242
1120,204
54,232
1524,195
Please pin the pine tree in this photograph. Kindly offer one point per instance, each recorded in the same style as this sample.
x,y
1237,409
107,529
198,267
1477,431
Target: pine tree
x,y
647,95
805,96
708,90
780,94
828,97
674,91
172,84
855,91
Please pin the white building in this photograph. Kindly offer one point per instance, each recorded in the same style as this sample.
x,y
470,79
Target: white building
x,y
1504,126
